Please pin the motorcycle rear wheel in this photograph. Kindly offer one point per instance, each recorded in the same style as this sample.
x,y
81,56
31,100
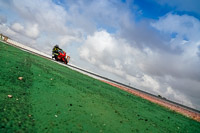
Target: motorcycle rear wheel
x,y
65,61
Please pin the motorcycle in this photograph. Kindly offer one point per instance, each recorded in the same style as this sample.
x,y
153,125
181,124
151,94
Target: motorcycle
x,y
63,57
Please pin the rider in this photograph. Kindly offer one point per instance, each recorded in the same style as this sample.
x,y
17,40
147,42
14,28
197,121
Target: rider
x,y
55,52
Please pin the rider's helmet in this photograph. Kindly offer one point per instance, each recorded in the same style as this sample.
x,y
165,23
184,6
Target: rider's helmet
x,y
56,46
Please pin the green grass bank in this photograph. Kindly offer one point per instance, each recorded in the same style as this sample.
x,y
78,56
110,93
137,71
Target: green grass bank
x,y
55,99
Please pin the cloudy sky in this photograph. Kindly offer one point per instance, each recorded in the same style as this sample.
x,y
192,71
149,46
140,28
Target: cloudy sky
x,y
153,45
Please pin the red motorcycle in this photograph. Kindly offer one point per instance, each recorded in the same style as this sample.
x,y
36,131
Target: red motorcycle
x,y
62,56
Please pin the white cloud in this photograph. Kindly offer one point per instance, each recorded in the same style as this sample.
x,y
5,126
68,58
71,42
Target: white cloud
x,y
5,29
145,81
104,48
17,27
20,37
186,26
110,69
70,38
32,31
49,16
97,46
180,64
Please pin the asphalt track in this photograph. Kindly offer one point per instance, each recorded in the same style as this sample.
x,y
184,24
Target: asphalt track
x,y
99,77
